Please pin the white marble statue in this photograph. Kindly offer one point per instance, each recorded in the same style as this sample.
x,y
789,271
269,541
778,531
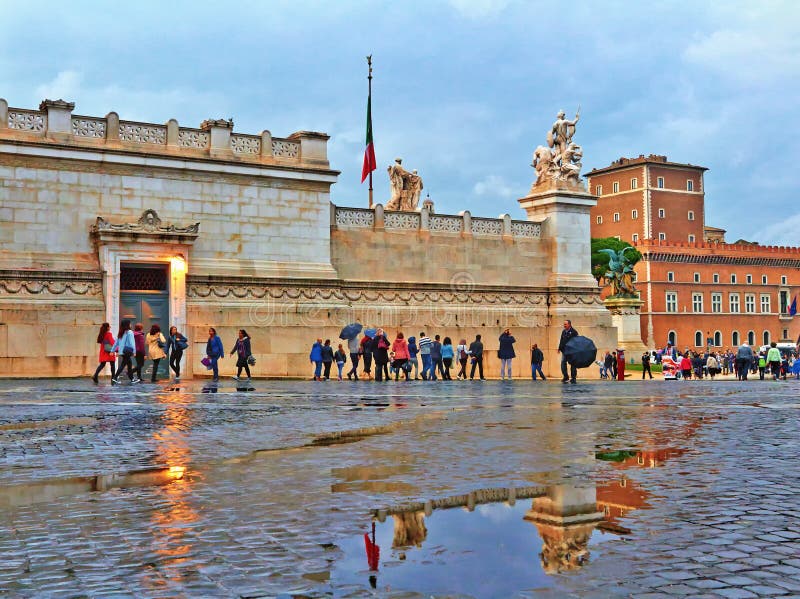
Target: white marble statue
x,y
415,189
560,161
406,187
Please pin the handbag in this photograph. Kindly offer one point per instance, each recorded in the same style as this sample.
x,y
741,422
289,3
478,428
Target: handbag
x,y
128,351
251,359
206,362
161,343
181,344
107,347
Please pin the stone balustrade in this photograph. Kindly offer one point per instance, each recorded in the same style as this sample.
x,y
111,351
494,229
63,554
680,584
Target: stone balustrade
x,y
54,121
424,220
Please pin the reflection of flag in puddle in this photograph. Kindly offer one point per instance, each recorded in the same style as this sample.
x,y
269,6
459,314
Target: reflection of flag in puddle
x,y
373,550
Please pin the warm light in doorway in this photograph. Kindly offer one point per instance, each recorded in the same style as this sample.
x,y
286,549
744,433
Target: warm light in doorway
x,y
178,264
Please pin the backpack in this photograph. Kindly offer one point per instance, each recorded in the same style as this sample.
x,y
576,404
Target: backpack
x,y
463,354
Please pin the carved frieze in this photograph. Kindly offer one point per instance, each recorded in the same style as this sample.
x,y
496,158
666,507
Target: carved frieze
x,y
445,224
40,283
148,225
88,127
143,134
282,148
402,220
26,120
487,226
192,138
521,228
246,144
355,217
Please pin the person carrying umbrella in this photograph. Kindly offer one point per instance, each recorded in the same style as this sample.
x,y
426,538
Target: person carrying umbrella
x,y
567,334
350,334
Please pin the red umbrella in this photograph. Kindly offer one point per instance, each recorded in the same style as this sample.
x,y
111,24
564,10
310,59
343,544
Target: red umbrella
x,y
373,550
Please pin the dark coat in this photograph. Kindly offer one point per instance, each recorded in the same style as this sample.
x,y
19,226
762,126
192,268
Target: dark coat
x,y
327,353
380,354
566,335
537,357
242,348
476,349
506,351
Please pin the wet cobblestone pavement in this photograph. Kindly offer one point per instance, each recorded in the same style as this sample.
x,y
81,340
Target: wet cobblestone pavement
x,y
475,489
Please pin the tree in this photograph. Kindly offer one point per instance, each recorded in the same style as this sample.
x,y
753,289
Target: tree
x,y
600,259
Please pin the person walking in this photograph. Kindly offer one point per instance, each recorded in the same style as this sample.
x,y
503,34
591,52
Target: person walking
x,y
105,339
214,351
327,359
506,353
686,367
744,356
125,347
380,352
462,352
447,358
401,356
413,350
425,353
568,333
646,364
608,365
476,351
242,349
315,357
537,357
762,364
366,352
436,358
614,364
354,347
712,365
774,360
176,344
340,358
141,346
155,348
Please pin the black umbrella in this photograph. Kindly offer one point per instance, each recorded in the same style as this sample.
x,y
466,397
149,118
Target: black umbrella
x,y
580,352
351,331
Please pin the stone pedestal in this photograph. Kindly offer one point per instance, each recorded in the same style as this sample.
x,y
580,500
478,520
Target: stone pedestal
x,y
625,314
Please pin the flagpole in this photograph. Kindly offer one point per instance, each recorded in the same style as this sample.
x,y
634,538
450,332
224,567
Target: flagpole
x,y
369,79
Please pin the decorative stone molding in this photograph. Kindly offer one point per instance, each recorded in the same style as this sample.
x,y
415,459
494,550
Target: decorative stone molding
x,y
193,138
486,226
49,283
524,228
401,220
246,144
26,120
54,123
354,217
88,127
142,133
445,224
149,225
282,148
576,299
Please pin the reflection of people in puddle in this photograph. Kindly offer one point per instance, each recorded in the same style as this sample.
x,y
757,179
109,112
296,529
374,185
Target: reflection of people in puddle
x,y
409,529
209,389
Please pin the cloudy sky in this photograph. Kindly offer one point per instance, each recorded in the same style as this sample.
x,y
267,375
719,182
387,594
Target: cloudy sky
x,y
464,90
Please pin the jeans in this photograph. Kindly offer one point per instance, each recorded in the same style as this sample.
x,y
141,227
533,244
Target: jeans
x,y
426,365
436,366
573,371
123,362
340,366
175,361
448,364
354,369
505,363
214,367
415,365
537,367
381,369
478,363
317,369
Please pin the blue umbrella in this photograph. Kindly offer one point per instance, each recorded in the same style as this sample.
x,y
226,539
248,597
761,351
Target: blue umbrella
x,y
351,331
370,332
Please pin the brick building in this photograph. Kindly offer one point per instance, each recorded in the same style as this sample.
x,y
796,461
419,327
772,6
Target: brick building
x,y
694,285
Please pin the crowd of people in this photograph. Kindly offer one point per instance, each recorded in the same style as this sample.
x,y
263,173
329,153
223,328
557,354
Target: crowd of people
x,y
744,361
425,358
132,344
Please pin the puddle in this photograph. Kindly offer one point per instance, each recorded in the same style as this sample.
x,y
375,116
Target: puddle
x,y
488,543
48,490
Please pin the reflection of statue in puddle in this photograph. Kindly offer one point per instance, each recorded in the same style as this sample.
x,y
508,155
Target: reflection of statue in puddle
x,y
409,529
565,518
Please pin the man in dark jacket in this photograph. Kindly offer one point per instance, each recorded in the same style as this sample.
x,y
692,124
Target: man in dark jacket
x,y
537,357
436,358
567,334
506,353
476,351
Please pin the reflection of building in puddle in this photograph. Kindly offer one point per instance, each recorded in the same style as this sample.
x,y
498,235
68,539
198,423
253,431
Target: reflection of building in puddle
x,y
409,529
49,490
565,519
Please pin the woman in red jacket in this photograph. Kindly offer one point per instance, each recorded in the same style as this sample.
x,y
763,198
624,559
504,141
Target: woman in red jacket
x,y
686,367
401,356
106,341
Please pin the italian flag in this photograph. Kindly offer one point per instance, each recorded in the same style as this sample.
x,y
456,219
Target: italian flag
x,y
369,152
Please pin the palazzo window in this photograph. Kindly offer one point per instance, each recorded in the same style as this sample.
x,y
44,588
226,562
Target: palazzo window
x,y
660,182
697,303
765,303
634,183
691,215
716,302
616,217
615,186
749,279
672,301
750,303
598,190
733,303
689,185
634,214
